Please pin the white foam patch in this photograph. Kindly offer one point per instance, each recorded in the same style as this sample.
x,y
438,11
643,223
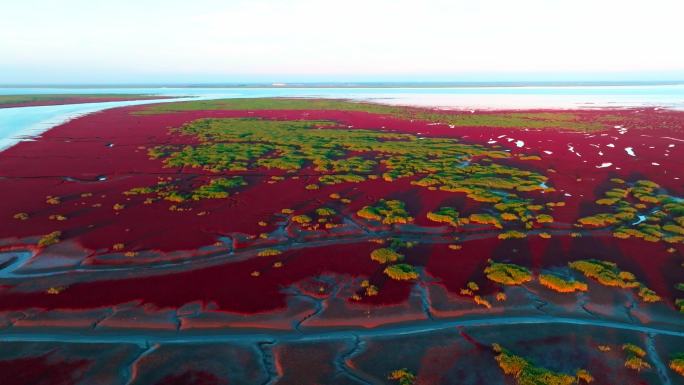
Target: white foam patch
x,y
611,145
519,143
604,165
655,164
630,151
548,152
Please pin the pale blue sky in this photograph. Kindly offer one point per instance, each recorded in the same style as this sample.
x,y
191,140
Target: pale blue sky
x,y
146,41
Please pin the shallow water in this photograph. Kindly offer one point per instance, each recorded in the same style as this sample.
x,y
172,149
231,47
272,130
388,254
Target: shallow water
x,y
22,123
669,96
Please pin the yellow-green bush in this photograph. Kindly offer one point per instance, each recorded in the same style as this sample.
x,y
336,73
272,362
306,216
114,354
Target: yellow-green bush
x,y
386,255
50,239
526,373
507,273
561,285
401,272
386,211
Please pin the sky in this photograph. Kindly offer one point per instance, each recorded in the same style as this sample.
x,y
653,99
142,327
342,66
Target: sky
x,y
214,41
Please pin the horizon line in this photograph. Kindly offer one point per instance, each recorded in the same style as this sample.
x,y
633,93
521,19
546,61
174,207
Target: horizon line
x,y
350,84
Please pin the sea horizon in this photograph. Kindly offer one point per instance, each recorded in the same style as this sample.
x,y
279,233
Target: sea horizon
x,y
358,84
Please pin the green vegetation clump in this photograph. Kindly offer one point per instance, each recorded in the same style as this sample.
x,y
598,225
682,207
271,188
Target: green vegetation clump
x,y
386,211
346,165
343,155
561,120
398,243
301,219
325,212
221,157
386,255
485,219
583,375
269,252
403,376
635,350
544,218
320,218
524,212
526,373
608,274
679,303
507,273
401,272
447,215
512,234
561,285
641,210
648,295
677,363
341,178
217,188
635,357
50,239
599,220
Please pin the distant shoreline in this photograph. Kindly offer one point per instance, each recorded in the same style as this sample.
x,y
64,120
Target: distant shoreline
x,y
277,85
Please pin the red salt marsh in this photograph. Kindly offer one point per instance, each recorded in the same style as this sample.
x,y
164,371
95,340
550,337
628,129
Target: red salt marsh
x,y
90,162
67,161
104,240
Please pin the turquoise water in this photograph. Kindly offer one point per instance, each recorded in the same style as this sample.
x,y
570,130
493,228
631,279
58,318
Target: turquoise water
x,y
24,122
675,92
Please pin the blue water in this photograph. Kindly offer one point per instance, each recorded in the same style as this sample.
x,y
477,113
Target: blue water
x,y
23,123
19,123
675,92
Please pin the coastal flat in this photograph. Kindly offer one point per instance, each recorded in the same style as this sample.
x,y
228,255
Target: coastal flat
x,y
385,241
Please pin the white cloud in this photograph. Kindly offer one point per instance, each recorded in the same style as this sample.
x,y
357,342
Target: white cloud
x,y
308,37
